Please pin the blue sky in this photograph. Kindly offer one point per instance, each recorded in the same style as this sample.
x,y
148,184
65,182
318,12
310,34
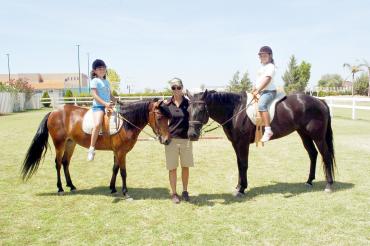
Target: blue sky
x,y
202,42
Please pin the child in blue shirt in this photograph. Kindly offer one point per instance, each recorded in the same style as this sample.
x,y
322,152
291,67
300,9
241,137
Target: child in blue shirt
x,y
103,98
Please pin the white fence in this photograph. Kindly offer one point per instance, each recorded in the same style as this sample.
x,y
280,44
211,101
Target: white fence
x,y
55,101
15,102
332,101
353,103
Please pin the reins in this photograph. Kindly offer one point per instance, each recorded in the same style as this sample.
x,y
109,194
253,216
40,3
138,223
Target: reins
x,y
223,123
140,129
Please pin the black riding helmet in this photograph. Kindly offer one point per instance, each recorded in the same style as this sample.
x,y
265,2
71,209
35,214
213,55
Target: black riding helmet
x,y
265,49
98,63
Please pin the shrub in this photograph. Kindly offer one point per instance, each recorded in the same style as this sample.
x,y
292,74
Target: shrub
x,y
44,96
68,93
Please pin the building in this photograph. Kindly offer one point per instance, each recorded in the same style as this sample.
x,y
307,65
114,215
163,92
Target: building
x,y
52,82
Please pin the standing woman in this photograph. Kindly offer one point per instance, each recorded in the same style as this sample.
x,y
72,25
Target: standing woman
x,y
265,88
180,148
100,90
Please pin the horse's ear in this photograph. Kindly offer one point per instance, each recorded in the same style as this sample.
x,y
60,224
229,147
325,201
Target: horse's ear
x,y
205,93
189,95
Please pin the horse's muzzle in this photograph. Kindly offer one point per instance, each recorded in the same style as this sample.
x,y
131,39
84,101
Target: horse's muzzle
x,y
165,141
192,135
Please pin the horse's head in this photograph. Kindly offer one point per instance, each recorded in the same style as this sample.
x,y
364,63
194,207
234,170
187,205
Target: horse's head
x,y
198,114
158,121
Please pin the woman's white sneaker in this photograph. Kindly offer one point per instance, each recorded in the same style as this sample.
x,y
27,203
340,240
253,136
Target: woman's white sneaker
x,y
266,136
91,154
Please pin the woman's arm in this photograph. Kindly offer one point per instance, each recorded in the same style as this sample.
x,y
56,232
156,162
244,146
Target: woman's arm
x,y
95,95
266,80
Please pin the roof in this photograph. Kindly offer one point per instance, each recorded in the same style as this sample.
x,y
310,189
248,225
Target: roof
x,y
50,80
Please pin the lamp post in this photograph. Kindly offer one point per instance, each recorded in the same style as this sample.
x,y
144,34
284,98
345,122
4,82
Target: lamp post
x,y
8,65
88,70
79,69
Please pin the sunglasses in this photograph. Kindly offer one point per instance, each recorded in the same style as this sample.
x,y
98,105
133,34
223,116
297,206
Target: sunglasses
x,y
176,88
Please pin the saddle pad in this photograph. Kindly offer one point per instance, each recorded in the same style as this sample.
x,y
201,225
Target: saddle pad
x,y
115,123
251,110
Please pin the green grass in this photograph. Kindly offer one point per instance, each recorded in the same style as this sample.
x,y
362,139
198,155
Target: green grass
x,y
277,209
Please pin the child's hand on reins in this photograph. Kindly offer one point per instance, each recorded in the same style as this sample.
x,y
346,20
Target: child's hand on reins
x,y
255,94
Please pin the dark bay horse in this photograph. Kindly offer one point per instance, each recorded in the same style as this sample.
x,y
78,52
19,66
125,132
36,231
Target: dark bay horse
x,y
65,128
307,115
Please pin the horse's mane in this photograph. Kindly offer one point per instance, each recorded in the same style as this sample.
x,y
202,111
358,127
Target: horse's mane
x,y
136,113
224,98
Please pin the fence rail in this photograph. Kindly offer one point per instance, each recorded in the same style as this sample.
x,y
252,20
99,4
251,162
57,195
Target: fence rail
x,y
334,102
55,101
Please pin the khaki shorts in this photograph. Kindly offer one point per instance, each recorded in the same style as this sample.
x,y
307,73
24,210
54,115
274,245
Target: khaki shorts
x,y
179,148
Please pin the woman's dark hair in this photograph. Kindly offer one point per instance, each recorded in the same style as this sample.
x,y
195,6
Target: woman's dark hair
x,y
268,50
93,75
96,64
272,60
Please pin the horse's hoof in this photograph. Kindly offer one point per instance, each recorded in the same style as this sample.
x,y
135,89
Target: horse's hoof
x,y
328,188
60,193
73,190
113,191
238,194
309,185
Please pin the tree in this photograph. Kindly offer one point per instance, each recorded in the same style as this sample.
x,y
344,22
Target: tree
x,y
296,77
353,70
68,93
237,85
361,85
366,64
245,82
113,78
45,95
331,80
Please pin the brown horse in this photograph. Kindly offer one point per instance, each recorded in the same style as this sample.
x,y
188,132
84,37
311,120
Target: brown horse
x,y
307,115
65,128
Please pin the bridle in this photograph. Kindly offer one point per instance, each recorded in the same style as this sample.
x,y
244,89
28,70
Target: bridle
x,y
156,129
197,122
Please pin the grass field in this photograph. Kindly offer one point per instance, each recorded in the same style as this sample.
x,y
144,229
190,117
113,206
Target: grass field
x,y
278,208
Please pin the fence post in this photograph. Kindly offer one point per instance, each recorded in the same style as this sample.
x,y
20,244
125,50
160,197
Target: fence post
x,y
353,108
331,106
75,102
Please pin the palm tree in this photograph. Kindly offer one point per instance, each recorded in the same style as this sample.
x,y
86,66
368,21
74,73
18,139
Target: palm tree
x,y
353,69
366,64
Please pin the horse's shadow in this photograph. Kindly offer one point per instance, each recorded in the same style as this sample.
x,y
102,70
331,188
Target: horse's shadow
x,y
159,193
155,193
286,189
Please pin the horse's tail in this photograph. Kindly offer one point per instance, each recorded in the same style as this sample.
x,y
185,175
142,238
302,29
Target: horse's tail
x,y
331,164
37,149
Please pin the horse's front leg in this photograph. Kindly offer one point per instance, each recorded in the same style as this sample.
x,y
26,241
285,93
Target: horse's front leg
x,y
121,161
114,175
242,152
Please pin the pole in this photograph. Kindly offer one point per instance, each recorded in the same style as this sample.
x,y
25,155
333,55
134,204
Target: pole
x,y
8,65
79,69
88,70
353,83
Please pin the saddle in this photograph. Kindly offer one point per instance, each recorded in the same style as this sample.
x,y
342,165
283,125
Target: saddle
x,y
255,117
111,123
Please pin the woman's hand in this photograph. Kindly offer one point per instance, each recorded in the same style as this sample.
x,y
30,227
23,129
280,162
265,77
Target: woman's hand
x,y
108,105
255,94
